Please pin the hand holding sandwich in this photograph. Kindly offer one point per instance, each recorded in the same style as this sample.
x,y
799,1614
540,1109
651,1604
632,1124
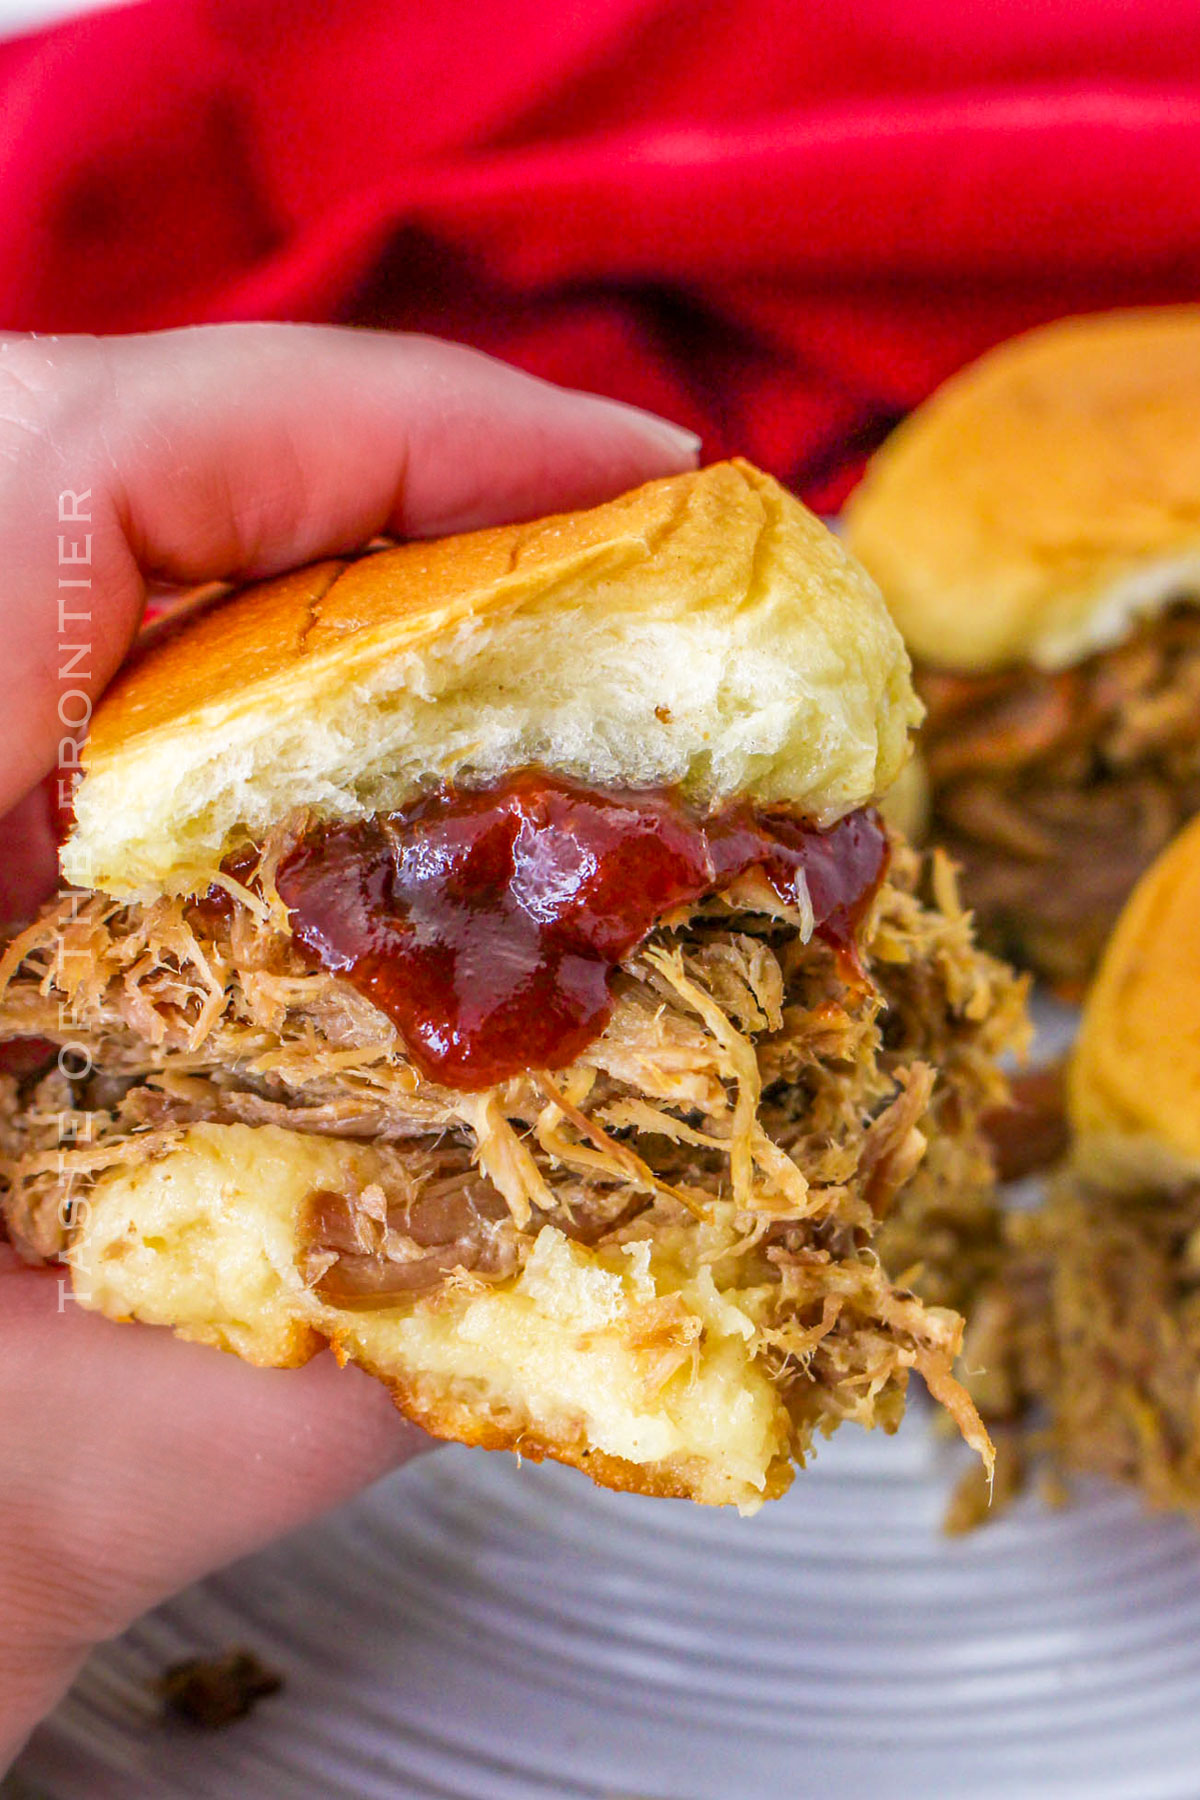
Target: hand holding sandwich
x,y
131,1463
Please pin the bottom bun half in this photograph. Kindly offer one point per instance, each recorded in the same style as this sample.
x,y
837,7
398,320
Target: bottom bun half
x,y
576,1358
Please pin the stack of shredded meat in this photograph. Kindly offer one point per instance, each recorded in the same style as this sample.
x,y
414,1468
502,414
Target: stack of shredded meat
x,y
1084,1347
751,1087
1055,791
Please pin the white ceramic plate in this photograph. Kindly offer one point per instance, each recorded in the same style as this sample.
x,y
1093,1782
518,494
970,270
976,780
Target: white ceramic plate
x,y
478,1630
488,1632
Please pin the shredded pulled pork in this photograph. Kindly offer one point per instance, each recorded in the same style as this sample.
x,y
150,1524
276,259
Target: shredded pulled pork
x,y
1088,1343
435,1215
1031,1132
945,1232
751,1087
1055,791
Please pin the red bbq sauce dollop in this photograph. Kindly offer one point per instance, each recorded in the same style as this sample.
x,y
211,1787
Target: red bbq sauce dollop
x,y
488,925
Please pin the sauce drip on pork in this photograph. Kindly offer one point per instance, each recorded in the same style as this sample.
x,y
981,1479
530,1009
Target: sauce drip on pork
x,y
488,925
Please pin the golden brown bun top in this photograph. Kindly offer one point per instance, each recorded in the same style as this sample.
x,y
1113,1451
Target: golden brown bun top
x,y
704,630
1134,1085
1045,497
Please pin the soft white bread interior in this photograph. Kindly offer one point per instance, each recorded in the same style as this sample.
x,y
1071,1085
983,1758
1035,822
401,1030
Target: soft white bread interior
x,y
1044,499
705,630
1134,1081
626,1362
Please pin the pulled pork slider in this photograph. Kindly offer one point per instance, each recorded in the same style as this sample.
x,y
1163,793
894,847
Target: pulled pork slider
x,y
483,957
1133,1086
1096,1323
1035,528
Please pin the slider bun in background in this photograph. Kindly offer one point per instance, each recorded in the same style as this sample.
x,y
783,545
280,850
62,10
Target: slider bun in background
x,y
704,630
1134,1083
1044,498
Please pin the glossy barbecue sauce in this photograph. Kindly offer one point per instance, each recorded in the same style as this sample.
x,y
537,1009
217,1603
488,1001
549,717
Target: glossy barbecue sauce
x,y
488,925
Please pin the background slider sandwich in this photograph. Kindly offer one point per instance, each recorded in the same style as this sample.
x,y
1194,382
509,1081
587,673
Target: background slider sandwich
x,y
1035,528
1096,1323
488,962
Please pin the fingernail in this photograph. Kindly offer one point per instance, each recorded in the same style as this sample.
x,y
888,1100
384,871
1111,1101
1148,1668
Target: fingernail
x,y
679,437
683,442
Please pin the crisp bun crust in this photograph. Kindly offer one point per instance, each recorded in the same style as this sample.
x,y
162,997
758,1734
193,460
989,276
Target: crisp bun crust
x,y
1044,498
1135,1077
425,1404
673,1479
704,630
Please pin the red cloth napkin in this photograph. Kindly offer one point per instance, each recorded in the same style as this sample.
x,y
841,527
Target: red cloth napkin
x,y
781,224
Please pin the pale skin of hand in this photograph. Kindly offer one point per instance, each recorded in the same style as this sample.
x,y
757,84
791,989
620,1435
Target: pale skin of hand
x,y
130,1463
